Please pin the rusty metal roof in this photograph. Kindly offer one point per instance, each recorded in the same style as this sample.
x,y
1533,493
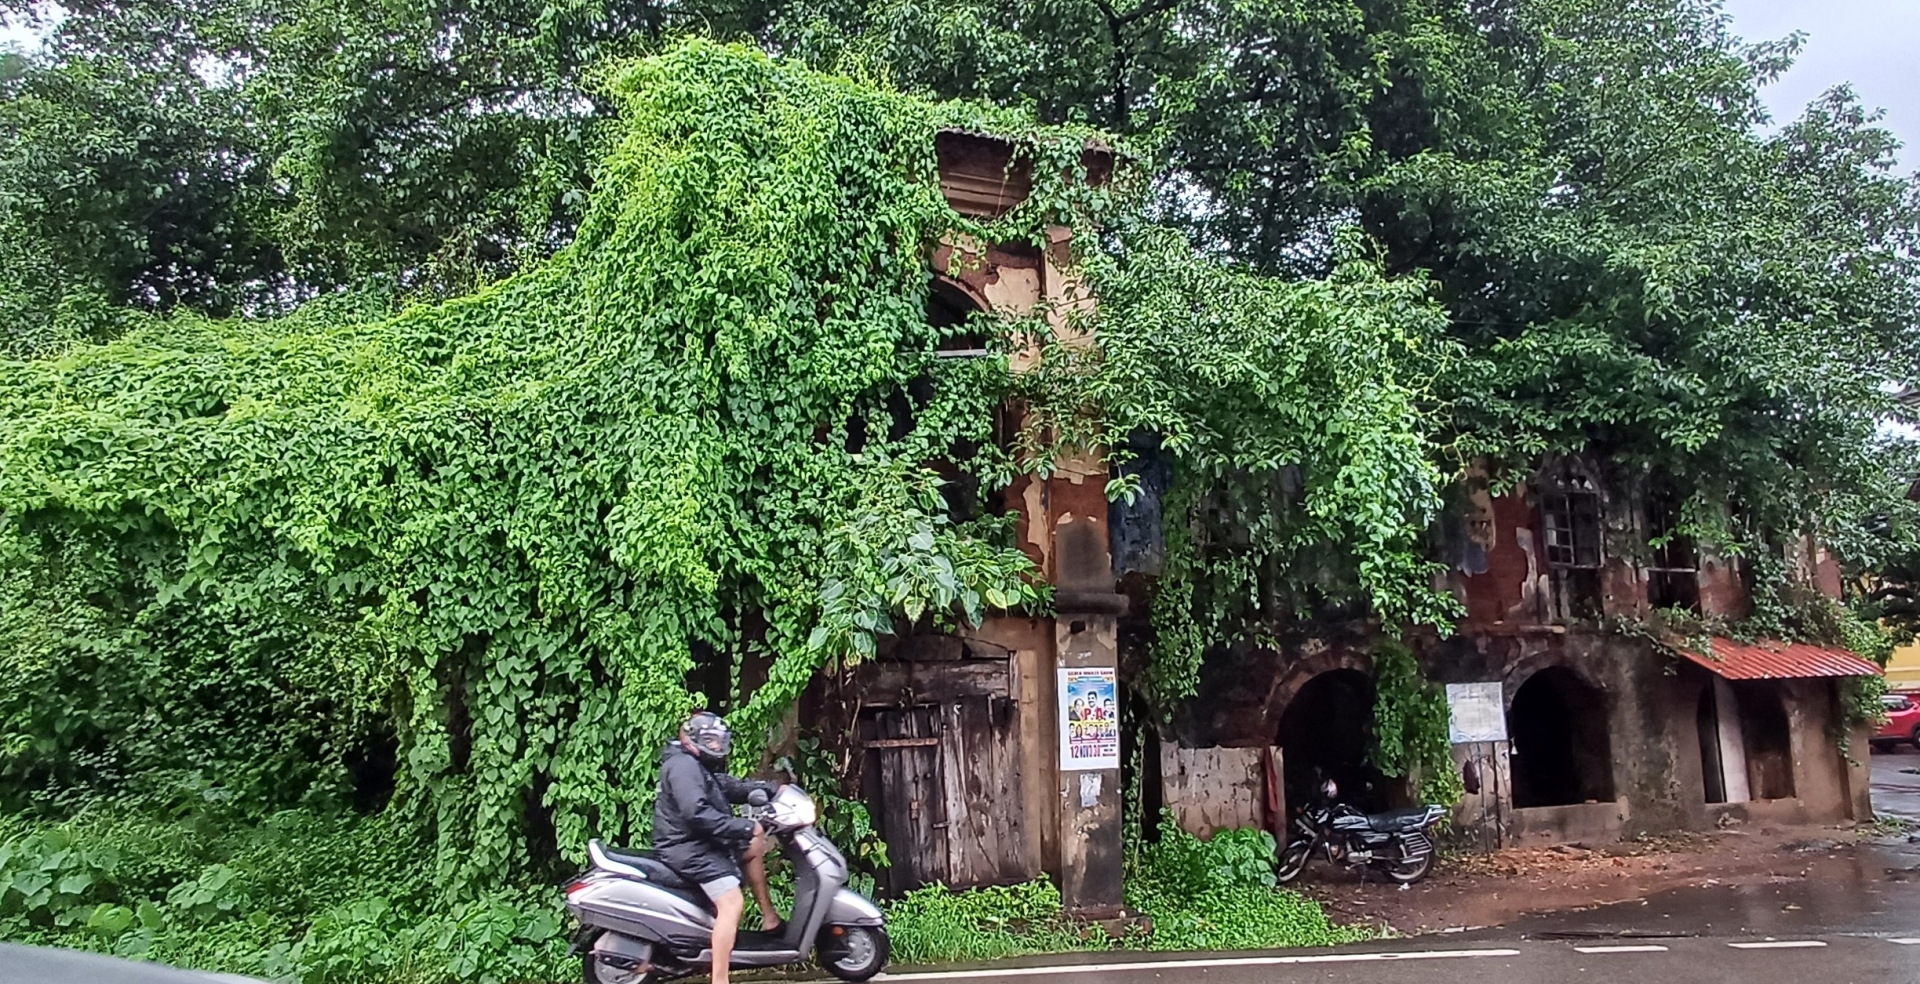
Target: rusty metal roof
x,y
1771,659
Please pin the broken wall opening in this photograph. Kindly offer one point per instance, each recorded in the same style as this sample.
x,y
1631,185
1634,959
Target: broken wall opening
x,y
1767,735
1723,753
1324,734
1562,753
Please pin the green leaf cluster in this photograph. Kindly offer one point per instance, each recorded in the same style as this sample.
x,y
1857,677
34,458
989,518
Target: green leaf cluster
x,y
1219,894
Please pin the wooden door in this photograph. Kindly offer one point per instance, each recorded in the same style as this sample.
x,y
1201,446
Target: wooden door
x,y
980,769
945,788
908,797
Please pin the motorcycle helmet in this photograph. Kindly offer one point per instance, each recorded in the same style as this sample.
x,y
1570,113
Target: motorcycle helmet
x,y
710,737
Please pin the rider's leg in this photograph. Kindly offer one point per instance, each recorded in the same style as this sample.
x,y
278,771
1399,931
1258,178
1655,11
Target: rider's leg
x,y
727,907
756,872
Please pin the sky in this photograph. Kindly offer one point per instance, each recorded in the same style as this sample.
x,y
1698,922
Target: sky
x,y
1874,44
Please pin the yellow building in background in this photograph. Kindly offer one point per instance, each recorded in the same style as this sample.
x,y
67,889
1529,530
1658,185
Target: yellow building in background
x,y
1903,669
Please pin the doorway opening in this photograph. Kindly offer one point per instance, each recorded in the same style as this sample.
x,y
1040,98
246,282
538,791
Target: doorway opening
x,y
1768,737
1746,742
1562,754
1723,751
1324,734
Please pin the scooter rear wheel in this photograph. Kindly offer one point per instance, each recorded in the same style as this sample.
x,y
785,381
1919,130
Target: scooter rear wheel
x,y
600,972
854,953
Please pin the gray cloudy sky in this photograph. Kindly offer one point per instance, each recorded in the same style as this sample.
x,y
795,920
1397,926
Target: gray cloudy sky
x,y
1874,44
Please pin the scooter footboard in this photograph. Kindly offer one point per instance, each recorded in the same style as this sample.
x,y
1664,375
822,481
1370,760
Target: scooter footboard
x,y
850,908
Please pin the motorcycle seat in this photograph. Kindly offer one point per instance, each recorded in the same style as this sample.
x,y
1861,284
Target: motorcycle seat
x,y
1395,821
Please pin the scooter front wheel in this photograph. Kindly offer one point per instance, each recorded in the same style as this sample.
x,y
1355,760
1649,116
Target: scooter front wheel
x,y
854,953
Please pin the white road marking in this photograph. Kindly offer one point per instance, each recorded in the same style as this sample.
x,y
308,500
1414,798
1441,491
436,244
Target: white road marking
x,y
1638,948
964,975
1913,941
1778,945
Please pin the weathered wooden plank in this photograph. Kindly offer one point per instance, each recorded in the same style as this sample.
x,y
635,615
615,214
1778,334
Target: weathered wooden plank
x,y
904,743
913,804
1018,859
895,683
961,818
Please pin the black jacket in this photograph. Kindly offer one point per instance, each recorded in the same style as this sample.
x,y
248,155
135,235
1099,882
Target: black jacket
x,y
694,829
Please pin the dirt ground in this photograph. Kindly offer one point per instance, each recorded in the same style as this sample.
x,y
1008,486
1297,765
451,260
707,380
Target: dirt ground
x,y
1469,891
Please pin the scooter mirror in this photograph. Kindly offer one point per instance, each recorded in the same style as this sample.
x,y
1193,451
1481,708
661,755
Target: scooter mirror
x,y
757,798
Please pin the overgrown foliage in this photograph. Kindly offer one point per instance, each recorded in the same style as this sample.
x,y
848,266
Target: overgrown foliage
x,y
1199,895
471,551
501,526
300,895
1219,894
457,565
1286,412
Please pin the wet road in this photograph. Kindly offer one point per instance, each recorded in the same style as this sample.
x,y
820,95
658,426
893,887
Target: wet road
x,y
1865,889
1799,960
1897,792
1853,917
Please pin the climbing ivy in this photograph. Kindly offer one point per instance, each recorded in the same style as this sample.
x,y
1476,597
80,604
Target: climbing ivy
x,y
1293,418
1410,719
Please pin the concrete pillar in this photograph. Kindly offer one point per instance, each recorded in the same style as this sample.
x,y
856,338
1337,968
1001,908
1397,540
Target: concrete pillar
x,y
1090,825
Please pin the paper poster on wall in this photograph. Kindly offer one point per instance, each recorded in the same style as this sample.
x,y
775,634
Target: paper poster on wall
x,y
1089,718
1476,712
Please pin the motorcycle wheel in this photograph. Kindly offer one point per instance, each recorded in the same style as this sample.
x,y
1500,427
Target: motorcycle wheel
x,y
1293,860
854,953
1407,871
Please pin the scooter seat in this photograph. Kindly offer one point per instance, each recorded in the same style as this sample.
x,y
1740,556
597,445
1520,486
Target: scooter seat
x,y
655,869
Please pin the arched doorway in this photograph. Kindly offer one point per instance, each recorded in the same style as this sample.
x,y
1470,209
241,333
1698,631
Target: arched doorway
x,y
1324,734
1561,753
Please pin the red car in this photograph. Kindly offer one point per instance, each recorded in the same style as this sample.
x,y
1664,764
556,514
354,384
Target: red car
x,y
1903,723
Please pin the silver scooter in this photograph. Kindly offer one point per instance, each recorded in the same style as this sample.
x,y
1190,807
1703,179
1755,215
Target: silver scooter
x,y
641,923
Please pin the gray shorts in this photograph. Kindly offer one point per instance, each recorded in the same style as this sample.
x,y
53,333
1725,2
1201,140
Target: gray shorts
x,y
720,886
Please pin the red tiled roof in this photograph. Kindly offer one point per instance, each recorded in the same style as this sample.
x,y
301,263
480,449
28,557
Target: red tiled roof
x,y
1771,659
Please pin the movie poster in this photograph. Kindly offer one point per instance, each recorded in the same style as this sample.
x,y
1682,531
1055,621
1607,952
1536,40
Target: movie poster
x,y
1089,718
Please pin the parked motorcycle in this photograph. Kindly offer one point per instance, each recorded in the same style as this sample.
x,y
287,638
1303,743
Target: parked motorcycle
x,y
641,923
1398,842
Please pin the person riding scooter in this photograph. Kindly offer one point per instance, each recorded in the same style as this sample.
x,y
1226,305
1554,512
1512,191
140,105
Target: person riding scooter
x,y
697,835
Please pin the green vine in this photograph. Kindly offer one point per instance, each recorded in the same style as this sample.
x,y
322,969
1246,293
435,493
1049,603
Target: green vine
x,y
1410,726
1292,414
